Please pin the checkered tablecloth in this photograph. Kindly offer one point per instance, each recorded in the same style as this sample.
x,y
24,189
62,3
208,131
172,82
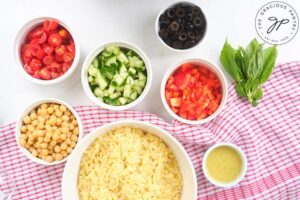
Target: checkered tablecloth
x,y
269,134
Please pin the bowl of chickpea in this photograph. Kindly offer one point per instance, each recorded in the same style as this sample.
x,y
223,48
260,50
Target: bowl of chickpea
x,y
48,131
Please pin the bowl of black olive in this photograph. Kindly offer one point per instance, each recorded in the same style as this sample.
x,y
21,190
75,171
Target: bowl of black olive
x,y
181,26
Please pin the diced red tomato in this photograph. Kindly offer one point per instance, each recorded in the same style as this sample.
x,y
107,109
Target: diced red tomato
x,y
193,92
35,64
68,57
55,40
47,60
60,50
63,33
48,51
43,38
45,74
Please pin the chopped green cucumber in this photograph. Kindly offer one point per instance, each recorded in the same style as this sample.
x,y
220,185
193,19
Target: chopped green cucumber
x,y
117,75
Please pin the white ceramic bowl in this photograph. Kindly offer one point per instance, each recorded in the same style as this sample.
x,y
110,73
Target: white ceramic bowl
x,y
27,111
70,175
212,68
244,163
20,38
93,54
157,25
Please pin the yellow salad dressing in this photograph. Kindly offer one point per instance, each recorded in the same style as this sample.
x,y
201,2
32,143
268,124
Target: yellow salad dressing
x,y
224,164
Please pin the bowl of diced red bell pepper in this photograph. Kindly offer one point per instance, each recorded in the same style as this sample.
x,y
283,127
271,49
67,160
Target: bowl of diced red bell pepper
x,y
46,51
194,91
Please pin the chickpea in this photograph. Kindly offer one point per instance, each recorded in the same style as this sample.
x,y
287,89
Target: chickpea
x,y
24,136
40,139
23,129
50,110
58,122
30,128
44,112
34,153
69,150
57,149
33,116
44,106
65,130
47,139
47,117
27,145
29,142
74,138
36,145
73,144
26,119
71,127
55,106
58,156
76,131
74,122
68,113
52,121
22,142
65,124
63,146
63,137
49,159
31,137
65,118
40,133
48,127
52,144
40,125
44,145
64,153
45,152
58,113
55,136
68,141
63,108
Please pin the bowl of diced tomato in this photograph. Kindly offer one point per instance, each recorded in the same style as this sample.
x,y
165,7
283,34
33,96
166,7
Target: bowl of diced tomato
x,y
46,51
194,91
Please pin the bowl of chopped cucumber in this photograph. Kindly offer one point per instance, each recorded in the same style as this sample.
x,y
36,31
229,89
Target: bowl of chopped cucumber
x,y
116,75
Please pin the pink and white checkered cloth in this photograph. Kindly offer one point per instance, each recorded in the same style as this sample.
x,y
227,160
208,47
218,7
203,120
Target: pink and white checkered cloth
x,y
269,134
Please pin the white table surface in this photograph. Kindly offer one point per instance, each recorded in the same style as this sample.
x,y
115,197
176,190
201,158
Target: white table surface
x,y
99,21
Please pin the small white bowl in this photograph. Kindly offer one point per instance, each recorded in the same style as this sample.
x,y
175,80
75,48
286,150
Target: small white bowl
x,y
19,40
157,25
27,111
212,68
70,175
93,54
244,163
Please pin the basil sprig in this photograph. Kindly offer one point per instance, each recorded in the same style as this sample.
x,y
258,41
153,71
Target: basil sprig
x,y
250,68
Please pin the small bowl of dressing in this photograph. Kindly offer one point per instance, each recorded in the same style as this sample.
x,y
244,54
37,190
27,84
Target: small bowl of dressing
x,y
224,164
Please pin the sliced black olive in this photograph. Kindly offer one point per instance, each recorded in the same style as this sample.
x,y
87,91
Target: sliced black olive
x,y
191,35
163,19
197,21
180,11
163,33
189,26
182,36
181,27
189,44
171,12
176,45
189,16
199,36
196,10
174,26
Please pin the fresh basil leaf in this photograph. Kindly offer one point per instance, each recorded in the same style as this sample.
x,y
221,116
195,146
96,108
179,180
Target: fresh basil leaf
x,y
269,55
258,93
227,59
259,61
240,61
252,46
239,88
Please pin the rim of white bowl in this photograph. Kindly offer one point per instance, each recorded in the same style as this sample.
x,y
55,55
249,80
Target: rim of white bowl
x,y
157,25
94,53
19,39
211,67
244,163
132,123
34,105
